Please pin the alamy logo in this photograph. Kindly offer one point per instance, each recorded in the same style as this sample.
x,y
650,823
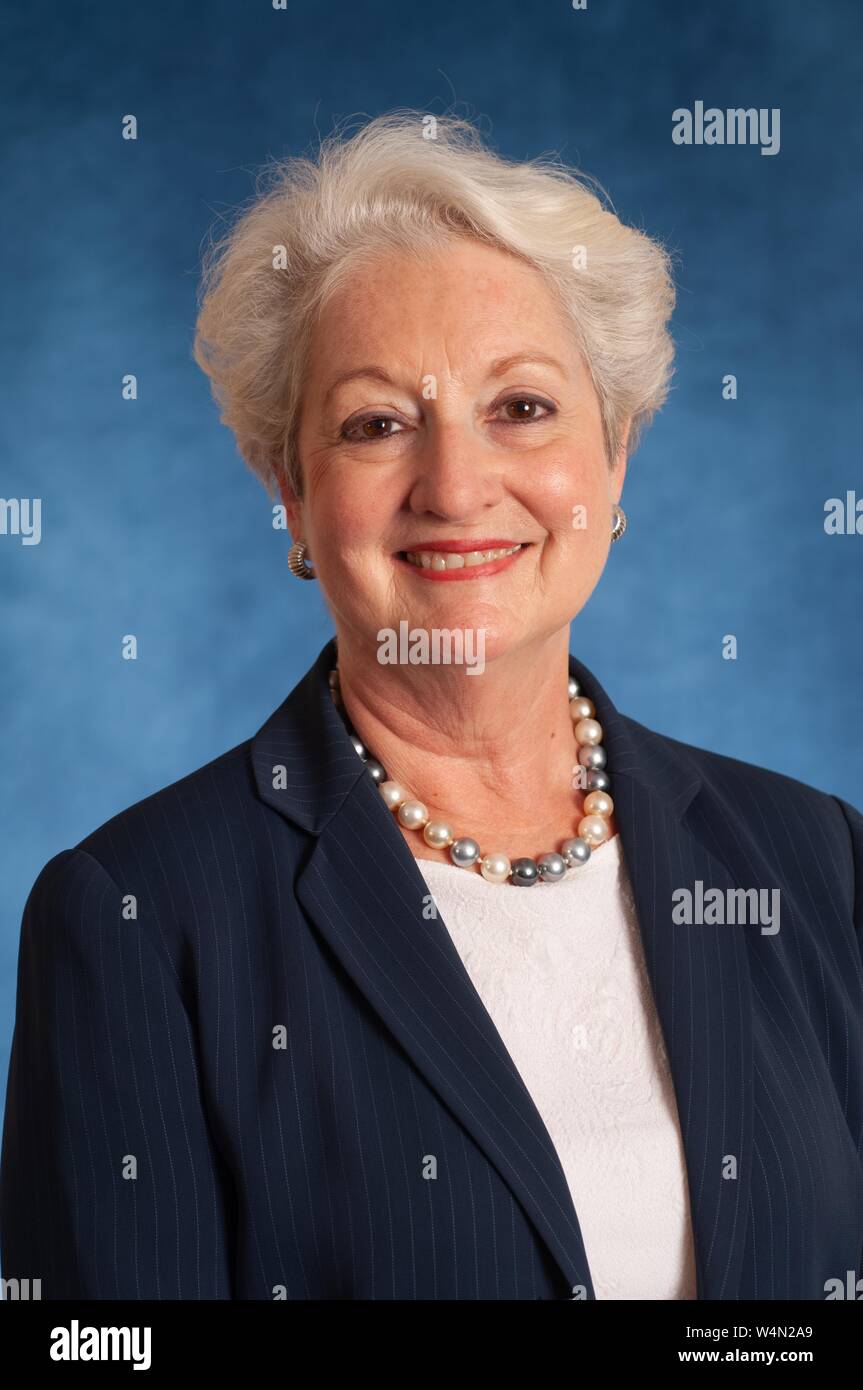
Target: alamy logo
x,y
76,1343
21,516
736,126
20,1290
731,907
851,1287
438,646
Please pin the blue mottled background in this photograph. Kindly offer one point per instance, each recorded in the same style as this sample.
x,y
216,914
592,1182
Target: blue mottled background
x,y
153,526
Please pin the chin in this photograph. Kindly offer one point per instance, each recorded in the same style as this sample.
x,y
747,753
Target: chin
x,y
441,639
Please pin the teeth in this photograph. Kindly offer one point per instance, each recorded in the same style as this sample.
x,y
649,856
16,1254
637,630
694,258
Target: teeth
x,y
456,560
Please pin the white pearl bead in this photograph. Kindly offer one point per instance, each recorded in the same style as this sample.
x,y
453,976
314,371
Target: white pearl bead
x,y
413,815
593,829
495,868
437,834
393,794
598,804
588,731
581,707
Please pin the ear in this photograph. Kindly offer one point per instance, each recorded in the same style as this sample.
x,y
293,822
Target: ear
x,y
293,510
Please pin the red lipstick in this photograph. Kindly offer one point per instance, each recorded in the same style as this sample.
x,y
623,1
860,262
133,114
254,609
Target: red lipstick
x,y
449,576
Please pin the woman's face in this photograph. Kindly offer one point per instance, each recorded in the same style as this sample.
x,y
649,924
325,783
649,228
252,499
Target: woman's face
x,y
447,401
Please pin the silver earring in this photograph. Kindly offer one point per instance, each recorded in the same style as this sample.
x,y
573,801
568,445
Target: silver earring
x,y
619,524
297,561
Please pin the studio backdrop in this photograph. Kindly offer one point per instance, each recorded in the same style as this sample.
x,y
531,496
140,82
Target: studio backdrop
x,y
149,621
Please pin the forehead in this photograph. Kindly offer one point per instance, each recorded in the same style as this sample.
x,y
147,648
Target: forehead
x,y
463,299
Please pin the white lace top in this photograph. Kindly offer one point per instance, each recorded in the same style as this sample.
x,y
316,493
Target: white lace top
x,y
560,969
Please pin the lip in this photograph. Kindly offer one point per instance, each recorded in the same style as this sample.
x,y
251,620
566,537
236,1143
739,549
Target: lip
x,y
471,572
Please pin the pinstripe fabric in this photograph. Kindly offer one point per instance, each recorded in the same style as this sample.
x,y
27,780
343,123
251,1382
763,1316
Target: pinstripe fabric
x,y
385,1147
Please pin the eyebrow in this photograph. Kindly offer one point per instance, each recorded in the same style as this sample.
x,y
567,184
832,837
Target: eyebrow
x,y
499,367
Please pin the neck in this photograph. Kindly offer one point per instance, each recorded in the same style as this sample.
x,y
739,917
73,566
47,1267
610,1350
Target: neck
x,y
493,752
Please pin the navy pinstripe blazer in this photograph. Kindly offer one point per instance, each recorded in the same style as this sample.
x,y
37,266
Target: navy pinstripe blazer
x,y
240,1040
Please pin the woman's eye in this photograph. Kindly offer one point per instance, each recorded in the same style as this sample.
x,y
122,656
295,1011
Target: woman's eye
x,y
373,427
518,410
523,409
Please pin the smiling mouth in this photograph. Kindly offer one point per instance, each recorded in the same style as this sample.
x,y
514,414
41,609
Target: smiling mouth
x,y
456,559
455,562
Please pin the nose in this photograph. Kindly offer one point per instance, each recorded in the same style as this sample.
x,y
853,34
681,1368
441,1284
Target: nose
x,y
458,475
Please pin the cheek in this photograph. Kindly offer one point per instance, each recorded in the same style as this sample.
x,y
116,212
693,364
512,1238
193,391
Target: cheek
x,y
573,500
334,500
350,524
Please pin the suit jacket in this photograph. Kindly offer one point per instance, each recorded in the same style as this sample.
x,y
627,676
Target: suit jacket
x,y
248,1064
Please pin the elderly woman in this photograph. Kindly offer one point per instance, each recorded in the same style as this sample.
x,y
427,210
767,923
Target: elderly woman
x,y
289,1028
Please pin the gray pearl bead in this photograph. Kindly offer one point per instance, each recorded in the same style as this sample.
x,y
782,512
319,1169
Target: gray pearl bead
x,y
574,688
525,873
598,781
376,771
464,852
575,851
359,747
592,756
552,867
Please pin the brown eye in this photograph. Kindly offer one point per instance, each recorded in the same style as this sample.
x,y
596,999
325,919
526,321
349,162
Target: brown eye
x,y
375,429
523,410
371,428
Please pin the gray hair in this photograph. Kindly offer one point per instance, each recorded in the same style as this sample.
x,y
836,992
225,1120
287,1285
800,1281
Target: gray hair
x,y
403,182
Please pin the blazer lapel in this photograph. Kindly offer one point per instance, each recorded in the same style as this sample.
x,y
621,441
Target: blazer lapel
x,y
365,895
699,976
363,892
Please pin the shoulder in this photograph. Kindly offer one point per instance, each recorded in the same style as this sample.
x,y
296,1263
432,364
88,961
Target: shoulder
x,y
203,806
759,799
201,840
724,774
189,864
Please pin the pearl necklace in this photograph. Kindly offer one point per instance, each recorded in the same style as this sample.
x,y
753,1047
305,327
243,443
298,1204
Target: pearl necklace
x,y
592,830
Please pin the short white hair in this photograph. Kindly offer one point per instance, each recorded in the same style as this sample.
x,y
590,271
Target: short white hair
x,y
403,182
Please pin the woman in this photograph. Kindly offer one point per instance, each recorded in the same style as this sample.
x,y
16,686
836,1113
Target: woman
x,y
285,1029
